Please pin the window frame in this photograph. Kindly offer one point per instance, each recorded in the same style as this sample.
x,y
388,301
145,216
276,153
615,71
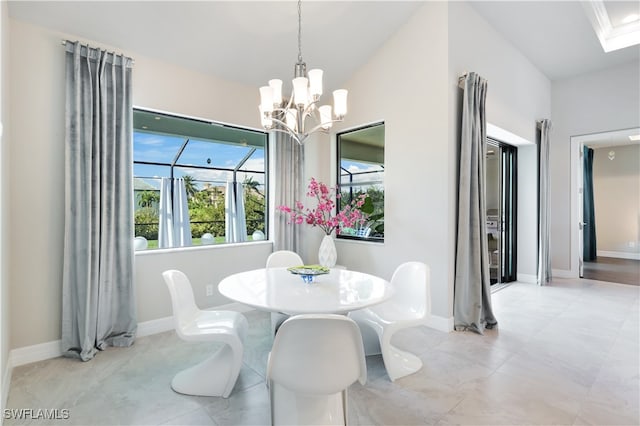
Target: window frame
x,y
173,164
339,178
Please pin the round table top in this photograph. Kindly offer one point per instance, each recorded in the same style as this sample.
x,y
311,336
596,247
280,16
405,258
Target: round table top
x,y
278,290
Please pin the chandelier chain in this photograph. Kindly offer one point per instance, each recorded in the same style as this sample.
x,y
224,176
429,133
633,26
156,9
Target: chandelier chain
x,y
299,30
289,115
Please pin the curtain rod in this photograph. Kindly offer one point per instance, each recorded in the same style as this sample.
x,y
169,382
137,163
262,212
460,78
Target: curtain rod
x,y
133,61
540,122
461,79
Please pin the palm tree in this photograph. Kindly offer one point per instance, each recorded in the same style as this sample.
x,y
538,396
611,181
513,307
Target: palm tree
x,y
190,186
252,185
149,198
254,204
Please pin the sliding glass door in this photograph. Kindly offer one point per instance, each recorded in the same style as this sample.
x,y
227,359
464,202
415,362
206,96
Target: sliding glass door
x,y
501,180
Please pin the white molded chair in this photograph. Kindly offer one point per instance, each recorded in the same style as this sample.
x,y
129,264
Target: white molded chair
x,y
207,239
216,375
410,306
314,359
284,259
258,235
140,243
281,259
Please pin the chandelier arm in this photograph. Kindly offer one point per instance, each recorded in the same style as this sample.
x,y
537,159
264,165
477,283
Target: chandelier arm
x,y
320,128
287,130
283,109
280,110
293,135
306,111
290,102
314,110
310,108
282,123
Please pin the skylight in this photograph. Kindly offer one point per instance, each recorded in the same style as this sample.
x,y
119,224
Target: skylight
x,y
623,33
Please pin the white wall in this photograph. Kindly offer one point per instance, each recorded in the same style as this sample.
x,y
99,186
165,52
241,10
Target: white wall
x,y
616,187
527,226
203,266
590,103
518,95
405,84
5,320
36,204
318,163
411,84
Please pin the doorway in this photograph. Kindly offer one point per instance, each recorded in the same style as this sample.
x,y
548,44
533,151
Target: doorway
x,y
613,255
501,205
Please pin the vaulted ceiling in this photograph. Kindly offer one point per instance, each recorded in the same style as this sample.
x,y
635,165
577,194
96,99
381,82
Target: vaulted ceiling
x,y
558,36
250,42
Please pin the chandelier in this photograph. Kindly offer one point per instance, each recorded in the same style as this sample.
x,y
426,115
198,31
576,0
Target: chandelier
x,y
289,116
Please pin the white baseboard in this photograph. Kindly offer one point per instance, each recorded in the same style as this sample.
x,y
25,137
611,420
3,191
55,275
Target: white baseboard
x,y
562,273
441,323
34,353
6,383
527,278
151,327
48,350
618,254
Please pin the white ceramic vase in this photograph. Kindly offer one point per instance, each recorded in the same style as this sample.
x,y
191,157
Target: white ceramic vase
x,y
327,254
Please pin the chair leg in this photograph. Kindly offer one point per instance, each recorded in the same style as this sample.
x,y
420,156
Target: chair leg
x,y
370,339
271,404
398,363
215,376
344,407
277,318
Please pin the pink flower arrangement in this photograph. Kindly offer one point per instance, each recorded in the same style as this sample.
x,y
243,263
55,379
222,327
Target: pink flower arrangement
x,y
322,216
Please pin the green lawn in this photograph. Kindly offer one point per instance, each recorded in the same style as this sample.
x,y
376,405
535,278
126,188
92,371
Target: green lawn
x,y
153,244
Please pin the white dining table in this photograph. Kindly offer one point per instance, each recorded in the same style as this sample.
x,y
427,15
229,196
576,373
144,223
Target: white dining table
x,y
278,290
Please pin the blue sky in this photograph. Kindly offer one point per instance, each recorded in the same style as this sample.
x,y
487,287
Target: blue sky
x,y
163,149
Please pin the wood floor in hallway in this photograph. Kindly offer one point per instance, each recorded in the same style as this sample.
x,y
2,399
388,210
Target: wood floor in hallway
x,y
613,270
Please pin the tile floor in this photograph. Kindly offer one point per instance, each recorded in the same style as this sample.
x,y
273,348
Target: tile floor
x,y
562,354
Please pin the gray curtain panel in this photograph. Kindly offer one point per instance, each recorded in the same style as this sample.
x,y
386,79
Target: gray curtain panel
x,y
544,220
98,301
288,174
589,250
472,295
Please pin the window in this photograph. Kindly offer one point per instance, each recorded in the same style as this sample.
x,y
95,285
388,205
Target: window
x,y
208,157
361,170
